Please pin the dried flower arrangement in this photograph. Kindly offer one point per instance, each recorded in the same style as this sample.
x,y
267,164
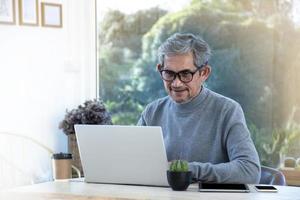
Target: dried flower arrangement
x,y
91,112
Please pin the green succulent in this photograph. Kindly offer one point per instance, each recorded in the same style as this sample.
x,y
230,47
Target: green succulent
x,y
179,166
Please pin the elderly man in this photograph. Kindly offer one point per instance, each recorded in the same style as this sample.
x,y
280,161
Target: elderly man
x,y
200,126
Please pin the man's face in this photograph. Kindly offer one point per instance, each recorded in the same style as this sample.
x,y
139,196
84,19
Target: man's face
x,y
179,91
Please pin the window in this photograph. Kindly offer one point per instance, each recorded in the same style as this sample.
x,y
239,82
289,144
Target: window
x,y
255,60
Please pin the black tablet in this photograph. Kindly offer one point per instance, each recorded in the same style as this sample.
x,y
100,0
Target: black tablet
x,y
222,187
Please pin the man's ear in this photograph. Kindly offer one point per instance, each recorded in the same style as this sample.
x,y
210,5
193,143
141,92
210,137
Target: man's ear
x,y
158,67
205,72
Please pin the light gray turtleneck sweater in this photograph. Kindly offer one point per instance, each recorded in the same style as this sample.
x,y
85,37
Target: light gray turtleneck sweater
x,y
211,133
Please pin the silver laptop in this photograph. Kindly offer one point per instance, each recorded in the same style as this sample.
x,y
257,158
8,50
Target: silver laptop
x,y
122,154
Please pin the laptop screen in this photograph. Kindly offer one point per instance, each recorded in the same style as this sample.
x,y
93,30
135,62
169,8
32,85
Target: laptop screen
x,y
122,154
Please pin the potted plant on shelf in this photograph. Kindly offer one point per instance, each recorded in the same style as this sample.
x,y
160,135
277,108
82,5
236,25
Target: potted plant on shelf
x,y
91,112
179,176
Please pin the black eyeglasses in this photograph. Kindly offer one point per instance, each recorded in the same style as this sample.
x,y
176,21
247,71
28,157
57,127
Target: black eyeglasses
x,y
184,76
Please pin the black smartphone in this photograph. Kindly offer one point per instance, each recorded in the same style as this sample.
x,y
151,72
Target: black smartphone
x,y
218,187
265,188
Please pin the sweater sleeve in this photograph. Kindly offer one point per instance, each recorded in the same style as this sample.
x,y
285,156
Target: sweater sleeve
x,y
141,121
243,165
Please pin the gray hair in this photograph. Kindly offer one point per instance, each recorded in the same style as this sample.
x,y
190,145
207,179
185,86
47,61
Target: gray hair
x,y
185,43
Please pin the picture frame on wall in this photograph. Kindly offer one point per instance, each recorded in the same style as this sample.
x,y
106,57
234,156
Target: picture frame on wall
x,y
28,12
7,12
52,15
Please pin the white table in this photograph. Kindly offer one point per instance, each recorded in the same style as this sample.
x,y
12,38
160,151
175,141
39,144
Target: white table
x,y
76,189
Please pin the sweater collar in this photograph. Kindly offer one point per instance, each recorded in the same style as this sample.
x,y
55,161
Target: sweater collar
x,y
190,105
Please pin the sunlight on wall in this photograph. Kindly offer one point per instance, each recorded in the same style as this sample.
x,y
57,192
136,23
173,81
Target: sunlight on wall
x,y
43,72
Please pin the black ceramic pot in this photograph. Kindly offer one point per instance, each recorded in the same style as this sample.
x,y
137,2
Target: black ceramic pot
x,y
179,181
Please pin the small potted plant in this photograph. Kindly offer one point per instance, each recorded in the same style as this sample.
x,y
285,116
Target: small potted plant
x,y
179,176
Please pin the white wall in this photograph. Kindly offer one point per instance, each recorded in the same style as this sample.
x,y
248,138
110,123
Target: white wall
x,y
44,71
